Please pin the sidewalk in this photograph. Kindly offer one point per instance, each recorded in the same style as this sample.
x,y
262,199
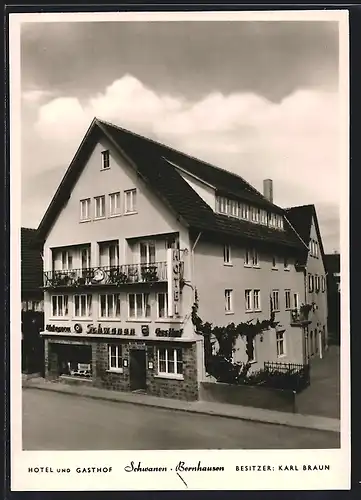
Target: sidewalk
x,y
202,407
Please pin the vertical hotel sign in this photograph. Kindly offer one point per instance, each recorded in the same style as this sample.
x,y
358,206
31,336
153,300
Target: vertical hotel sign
x,y
174,272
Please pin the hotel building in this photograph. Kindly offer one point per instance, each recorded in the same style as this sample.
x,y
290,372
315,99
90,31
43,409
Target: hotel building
x,y
133,231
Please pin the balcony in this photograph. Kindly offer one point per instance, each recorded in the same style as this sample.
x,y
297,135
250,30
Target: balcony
x,y
107,276
300,317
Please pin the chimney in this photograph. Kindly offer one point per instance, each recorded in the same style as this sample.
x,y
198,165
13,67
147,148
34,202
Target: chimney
x,y
268,189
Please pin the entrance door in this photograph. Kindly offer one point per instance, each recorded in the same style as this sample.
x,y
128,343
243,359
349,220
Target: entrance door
x,y
137,370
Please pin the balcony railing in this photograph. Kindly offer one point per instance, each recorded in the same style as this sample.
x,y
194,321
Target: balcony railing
x,y
109,275
300,317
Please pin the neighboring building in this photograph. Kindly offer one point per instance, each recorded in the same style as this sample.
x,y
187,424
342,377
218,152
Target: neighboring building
x,y
133,230
32,296
304,220
334,295
32,303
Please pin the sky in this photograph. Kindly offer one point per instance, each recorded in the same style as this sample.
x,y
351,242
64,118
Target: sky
x,y
260,99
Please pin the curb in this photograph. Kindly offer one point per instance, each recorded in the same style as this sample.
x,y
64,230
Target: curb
x,y
329,427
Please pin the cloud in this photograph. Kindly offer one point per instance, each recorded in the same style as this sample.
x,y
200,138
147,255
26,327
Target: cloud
x,y
295,142
35,96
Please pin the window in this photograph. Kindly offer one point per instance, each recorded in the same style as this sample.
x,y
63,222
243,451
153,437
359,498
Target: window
x,y
162,305
147,252
317,283
244,211
105,160
310,283
274,262
248,300
114,203
257,300
279,221
85,258
286,265
170,361
287,299
251,258
109,254
251,351
228,300
227,254
255,258
99,206
85,209
247,257
295,301
115,357
263,217
59,305
272,220
130,198
66,260
280,342
234,208
138,305
109,305
275,300
221,204
82,306
323,283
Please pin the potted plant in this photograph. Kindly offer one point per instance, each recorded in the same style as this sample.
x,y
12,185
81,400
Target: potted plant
x,y
149,273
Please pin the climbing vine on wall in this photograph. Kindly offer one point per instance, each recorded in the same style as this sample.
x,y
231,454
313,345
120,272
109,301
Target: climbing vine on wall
x,y
220,364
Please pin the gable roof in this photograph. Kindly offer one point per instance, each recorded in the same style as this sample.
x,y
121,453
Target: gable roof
x,y
155,164
301,219
31,262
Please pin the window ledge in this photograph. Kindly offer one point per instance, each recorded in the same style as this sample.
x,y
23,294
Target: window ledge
x,y
85,220
229,312
287,269
256,267
169,320
138,320
114,215
248,265
281,356
83,319
112,320
228,264
274,268
170,376
59,318
100,218
130,213
103,169
115,370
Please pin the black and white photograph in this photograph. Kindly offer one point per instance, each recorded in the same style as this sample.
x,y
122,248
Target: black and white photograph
x,y
182,190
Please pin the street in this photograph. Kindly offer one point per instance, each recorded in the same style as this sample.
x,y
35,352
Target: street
x,y
53,421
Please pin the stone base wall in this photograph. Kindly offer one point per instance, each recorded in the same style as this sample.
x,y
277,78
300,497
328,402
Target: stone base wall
x,y
102,377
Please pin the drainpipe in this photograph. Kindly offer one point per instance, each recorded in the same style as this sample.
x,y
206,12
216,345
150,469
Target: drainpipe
x,y
192,253
305,331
